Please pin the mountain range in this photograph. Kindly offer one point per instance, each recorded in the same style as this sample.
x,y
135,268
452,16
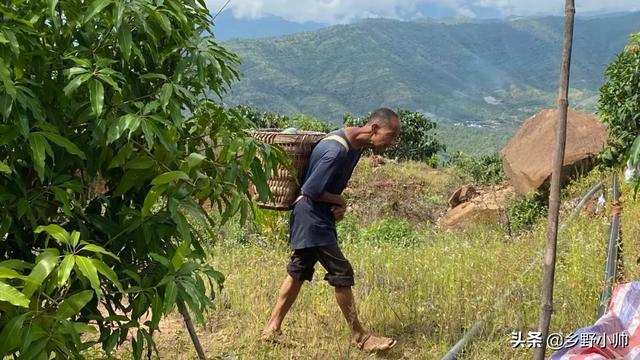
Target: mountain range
x,y
483,73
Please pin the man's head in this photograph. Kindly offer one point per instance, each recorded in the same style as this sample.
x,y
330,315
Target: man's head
x,y
384,128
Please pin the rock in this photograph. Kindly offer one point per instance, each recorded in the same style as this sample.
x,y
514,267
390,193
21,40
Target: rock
x,y
463,194
487,207
527,158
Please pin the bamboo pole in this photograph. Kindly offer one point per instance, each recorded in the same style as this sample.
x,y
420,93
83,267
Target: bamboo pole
x,y
554,195
612,251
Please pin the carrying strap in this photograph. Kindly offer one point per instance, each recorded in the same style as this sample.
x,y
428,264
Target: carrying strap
x,y
339,139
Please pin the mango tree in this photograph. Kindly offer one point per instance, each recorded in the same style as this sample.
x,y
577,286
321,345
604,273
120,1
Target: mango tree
x,y
112,137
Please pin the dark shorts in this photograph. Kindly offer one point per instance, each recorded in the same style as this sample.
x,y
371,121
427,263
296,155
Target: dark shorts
x,y
339,270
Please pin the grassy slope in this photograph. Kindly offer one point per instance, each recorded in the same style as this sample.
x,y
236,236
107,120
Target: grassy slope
x,y
425,293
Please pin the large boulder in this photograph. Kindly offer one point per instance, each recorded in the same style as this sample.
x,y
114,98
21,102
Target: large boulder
x,y
527,158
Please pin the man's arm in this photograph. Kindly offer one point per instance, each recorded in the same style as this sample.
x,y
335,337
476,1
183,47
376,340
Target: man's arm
x,y
315,184
330,198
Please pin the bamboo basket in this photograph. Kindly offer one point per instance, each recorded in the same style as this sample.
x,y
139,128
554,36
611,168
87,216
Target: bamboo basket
x,y
283,185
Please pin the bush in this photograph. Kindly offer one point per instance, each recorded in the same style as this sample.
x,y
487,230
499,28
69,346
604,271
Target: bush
x,y
416,141
271,120
619,102
387,231
525,211
484,170
109,148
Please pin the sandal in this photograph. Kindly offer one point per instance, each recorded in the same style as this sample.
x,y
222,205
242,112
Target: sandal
x,y
277,338
376,347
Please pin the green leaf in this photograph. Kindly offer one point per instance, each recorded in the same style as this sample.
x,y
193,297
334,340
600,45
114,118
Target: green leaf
x,y
76,71
16,264
13,42
4,168
634,152
169,177
65,143
170,293
140,162
194,160
152,198
52,12
39,273
8,273
110,81
119,126
86,267
118,11
124,40
73,304
6,105
75,83
5,77
156,311
138,345
165,94
96,93
84,328
62,196
75,238
55,231
14,297
37,350
12,332
164,22
95,8
260,181
64,271
37,144
178,258
107,272
98,249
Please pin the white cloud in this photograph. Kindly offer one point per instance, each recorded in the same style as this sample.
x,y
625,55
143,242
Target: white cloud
x,y
528,7
333,11
340,11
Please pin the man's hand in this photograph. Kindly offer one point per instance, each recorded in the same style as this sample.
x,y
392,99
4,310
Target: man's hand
x,y
338,212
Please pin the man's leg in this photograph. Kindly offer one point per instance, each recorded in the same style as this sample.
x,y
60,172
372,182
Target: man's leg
x,y
299,269
346,302
288,294
340,276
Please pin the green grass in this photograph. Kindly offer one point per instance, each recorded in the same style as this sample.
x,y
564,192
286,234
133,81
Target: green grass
x,y
425,292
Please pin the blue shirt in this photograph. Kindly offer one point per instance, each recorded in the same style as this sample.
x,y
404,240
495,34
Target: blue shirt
x,y
312,223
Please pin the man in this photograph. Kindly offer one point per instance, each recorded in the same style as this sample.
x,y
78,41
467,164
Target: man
x,y
312,226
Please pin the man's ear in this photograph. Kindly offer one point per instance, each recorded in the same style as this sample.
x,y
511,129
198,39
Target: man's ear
x,y
375,127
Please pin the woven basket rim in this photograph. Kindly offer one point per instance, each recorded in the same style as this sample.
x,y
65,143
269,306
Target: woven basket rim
x,y
277,131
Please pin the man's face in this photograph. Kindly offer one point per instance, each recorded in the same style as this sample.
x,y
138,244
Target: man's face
x,y
383,137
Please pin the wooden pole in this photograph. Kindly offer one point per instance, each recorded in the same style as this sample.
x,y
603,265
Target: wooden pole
x,y
554,195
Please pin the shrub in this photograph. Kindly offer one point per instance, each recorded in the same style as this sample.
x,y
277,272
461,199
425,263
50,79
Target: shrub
x,y
389,231
272,120
484,170
525,211
619,102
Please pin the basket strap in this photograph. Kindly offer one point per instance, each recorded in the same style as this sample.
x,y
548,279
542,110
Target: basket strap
x,y
339,139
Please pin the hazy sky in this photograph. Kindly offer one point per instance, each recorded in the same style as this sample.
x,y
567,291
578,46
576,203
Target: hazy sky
x,y
341,11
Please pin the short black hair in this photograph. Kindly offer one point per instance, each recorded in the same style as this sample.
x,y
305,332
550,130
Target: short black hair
x,y
384,116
